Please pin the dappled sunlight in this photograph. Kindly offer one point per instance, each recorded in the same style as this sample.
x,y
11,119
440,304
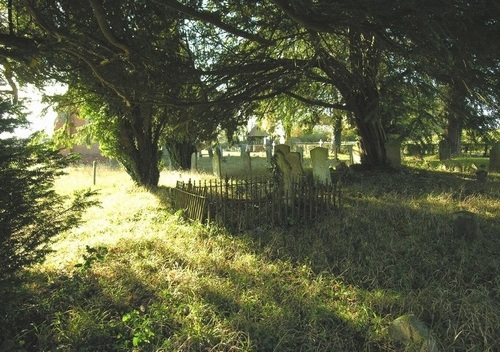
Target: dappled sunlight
x,y
336,284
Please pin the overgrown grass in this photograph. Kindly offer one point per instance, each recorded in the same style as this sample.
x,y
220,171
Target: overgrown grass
x,y
148,280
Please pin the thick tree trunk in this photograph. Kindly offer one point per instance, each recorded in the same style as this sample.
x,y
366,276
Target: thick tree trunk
x,y
454,134
139,150
372,140
180,153
457,111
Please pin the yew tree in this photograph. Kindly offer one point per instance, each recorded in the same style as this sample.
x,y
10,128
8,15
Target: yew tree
x,y
347,45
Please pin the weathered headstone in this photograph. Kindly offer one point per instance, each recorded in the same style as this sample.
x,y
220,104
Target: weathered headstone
x,y
269,152
300,150
413,333
284,148
356,154
194,161
166,157
286,171
495,158
444,150
243,149
293,159
393,153
351,153
216,163
247,162
465,225
319,160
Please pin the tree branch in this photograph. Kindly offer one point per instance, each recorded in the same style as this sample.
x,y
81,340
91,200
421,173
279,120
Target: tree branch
x,y
316,102
101,21
213,18
96,72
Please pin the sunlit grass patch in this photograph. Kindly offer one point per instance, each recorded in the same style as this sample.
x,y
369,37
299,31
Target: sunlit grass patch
x,y
165,283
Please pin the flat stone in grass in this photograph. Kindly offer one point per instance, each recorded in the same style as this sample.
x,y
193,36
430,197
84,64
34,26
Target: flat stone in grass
x,y
465,225
495,158
413,333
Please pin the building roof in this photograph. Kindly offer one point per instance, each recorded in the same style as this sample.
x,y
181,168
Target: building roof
x,y
257,132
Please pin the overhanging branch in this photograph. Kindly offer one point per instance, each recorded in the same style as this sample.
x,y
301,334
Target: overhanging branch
x,y
214,18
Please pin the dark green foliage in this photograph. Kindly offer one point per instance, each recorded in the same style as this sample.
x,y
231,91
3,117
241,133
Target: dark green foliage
x,y
31,212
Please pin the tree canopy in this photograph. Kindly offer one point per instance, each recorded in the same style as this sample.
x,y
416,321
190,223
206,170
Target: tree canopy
x,y
176,71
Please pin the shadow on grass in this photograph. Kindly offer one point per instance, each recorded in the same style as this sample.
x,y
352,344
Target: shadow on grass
x,y
333,285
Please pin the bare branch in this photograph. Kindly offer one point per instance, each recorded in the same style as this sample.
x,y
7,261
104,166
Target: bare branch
x,y
101,20
96,72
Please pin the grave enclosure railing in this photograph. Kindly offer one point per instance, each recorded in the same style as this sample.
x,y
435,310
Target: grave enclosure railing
x,y
249,203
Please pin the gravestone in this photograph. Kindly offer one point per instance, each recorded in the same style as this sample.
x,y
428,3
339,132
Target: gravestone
x,y
166,157
465,225
356,155
393,153
284,148
444,150
293,159
300,150
194,161
269,152
495,158
243,149
216,163
286,171
413,333
319,160
247,162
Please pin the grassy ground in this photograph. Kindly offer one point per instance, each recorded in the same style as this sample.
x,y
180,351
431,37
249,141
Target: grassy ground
x,y
137,276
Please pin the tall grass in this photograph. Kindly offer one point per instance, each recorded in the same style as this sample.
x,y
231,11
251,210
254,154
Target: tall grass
x,y
148,280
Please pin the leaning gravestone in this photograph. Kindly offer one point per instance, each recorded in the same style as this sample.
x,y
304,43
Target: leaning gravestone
x,y
319,160
194,161
393,153
247,162
216,163
495,158
284,148
413,333
293,159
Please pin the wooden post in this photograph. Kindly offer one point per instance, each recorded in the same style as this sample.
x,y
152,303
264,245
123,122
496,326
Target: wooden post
x,y
94,171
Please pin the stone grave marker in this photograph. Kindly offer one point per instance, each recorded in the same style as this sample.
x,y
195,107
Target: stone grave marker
x,y
354,154
319,160
495,158
216,163
293,159
284,148
300,150
247,162
286,172
413,333
393,153
194,161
